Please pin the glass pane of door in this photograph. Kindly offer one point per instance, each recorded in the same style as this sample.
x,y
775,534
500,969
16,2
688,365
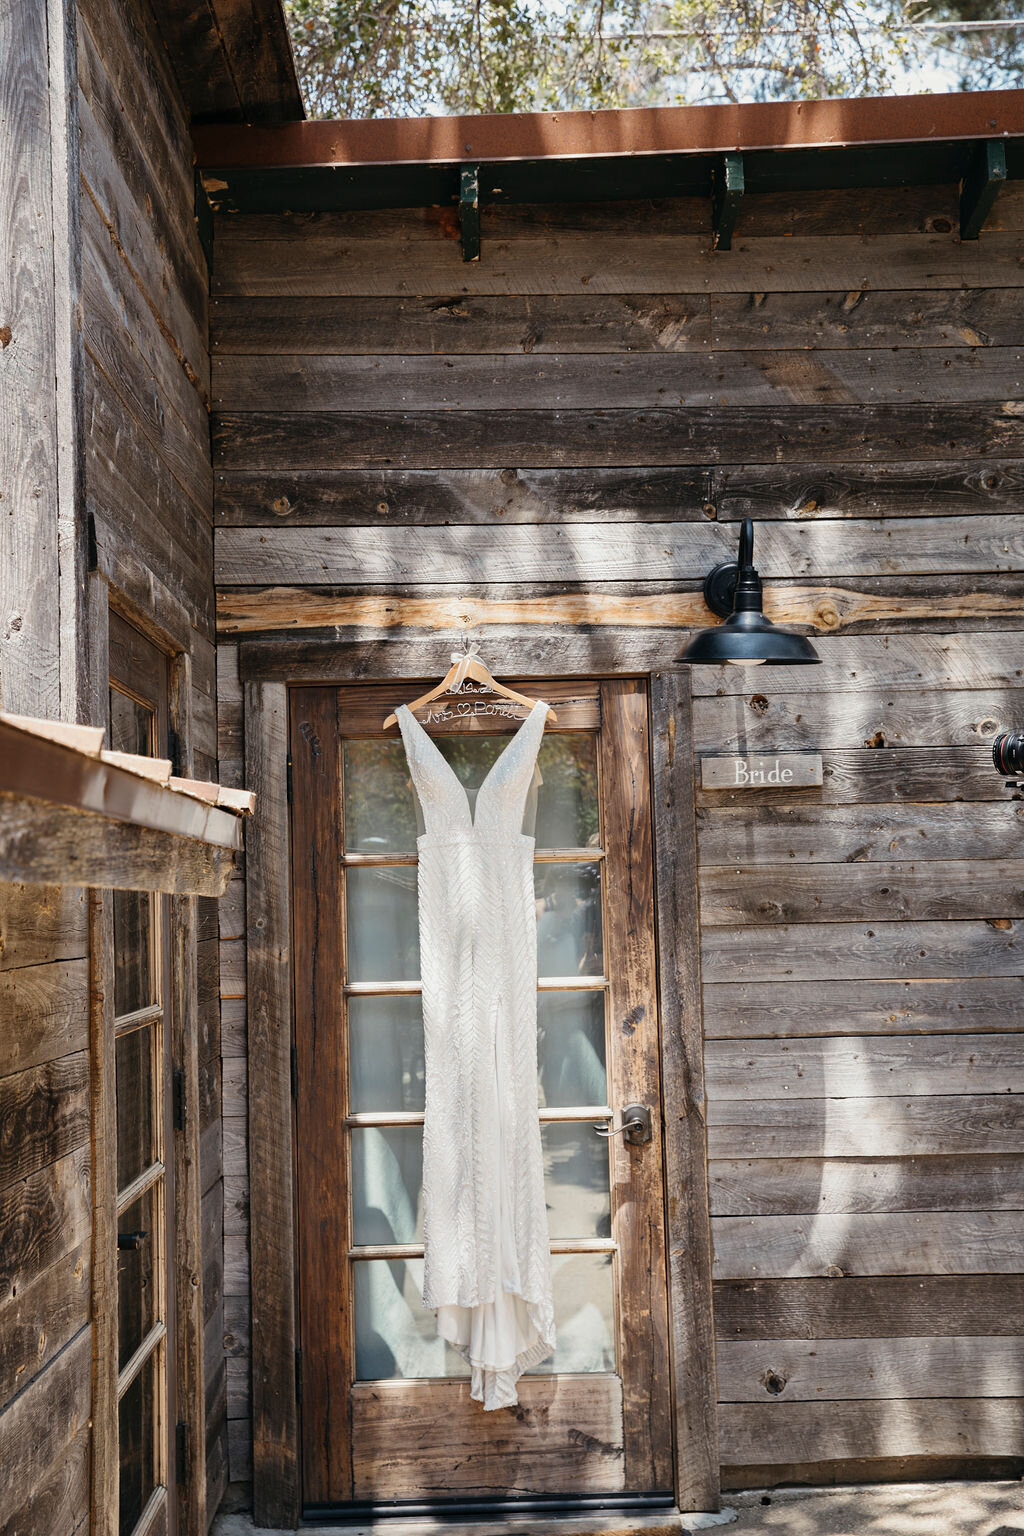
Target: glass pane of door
x,y
138,1425
381,814
135,1067
138,1245
395,1335
133,957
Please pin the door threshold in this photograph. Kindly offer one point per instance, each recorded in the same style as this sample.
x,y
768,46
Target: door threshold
x,y
610,1523
483,1510
594,1522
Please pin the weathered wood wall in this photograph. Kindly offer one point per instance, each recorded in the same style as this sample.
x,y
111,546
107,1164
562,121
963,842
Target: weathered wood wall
x,y
45,1206
559,441
145,286
103,335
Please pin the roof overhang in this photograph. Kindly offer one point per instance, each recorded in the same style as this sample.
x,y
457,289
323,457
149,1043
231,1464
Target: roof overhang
x,y
233,62
72,813
636,153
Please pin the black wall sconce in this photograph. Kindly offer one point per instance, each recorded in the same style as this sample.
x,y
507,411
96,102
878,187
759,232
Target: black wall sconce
x,y
747,638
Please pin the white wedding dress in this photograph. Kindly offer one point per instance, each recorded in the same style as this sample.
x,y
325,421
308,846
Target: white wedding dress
x,y
487,1267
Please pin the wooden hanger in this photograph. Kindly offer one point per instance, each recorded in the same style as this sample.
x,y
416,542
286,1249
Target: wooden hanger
x,y
467,664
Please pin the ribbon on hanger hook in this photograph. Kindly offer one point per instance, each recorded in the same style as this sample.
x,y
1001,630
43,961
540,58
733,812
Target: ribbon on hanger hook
x,y
462,660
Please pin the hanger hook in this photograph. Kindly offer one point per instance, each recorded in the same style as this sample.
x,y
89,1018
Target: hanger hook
x,y
462,660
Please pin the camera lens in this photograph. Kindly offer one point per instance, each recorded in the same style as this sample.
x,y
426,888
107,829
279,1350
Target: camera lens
x,y
1008,752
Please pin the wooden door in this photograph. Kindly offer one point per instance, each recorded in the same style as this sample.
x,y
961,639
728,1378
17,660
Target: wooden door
x,y
386,1413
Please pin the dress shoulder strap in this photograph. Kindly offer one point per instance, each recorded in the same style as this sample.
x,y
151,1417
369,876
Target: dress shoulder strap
x,y
441,796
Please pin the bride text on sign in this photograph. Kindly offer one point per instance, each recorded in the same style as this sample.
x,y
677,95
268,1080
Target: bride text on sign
x,y
789,770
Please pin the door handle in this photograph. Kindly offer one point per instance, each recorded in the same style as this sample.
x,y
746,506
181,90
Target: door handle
x,y
636,1126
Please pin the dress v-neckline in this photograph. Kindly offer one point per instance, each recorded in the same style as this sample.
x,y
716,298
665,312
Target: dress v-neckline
x,y
471,814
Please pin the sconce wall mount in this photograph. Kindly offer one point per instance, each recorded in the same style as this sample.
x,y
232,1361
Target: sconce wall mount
x,y
733,591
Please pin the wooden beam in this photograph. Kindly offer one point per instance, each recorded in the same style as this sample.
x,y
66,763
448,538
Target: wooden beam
x,y
69,352
583,324
29,179
919,1125
496,381
691,1323
37,1429
828,952
840,892
811,832
605,264
44,844
726,196
650,438
275,1431
980,187
889,1243
50,1003
469,212
763,1434
786,1186
537,654
837,1370
783,1009
319,896
778,125
188,1256
638,1181
886,1307
459,556
45,1111
103,1126
826,609
47,1306
409,1434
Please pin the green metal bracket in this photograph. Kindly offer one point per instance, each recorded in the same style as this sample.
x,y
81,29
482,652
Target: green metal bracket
x,y
985,175
204,219
726,194
469,212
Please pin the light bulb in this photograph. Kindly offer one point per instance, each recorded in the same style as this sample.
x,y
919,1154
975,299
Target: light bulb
x,y
753,661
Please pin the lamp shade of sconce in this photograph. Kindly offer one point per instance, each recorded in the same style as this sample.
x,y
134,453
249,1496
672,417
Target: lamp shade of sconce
x,y
747,638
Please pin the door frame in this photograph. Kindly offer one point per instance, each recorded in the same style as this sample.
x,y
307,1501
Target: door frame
x,y
266,670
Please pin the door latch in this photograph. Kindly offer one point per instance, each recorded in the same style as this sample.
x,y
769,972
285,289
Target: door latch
x,y
635,1128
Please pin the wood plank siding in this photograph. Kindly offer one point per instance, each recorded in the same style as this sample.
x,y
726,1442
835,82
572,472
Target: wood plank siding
x,y
148,486
112,509
45,1166
552,446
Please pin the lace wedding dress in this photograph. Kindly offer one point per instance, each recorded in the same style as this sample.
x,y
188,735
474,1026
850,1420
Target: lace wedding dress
x,y
487,1266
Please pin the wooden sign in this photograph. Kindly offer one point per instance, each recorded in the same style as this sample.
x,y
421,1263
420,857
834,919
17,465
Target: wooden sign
x,y
784,770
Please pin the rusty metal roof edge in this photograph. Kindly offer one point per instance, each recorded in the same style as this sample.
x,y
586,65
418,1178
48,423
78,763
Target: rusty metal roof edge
x,y
824,124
